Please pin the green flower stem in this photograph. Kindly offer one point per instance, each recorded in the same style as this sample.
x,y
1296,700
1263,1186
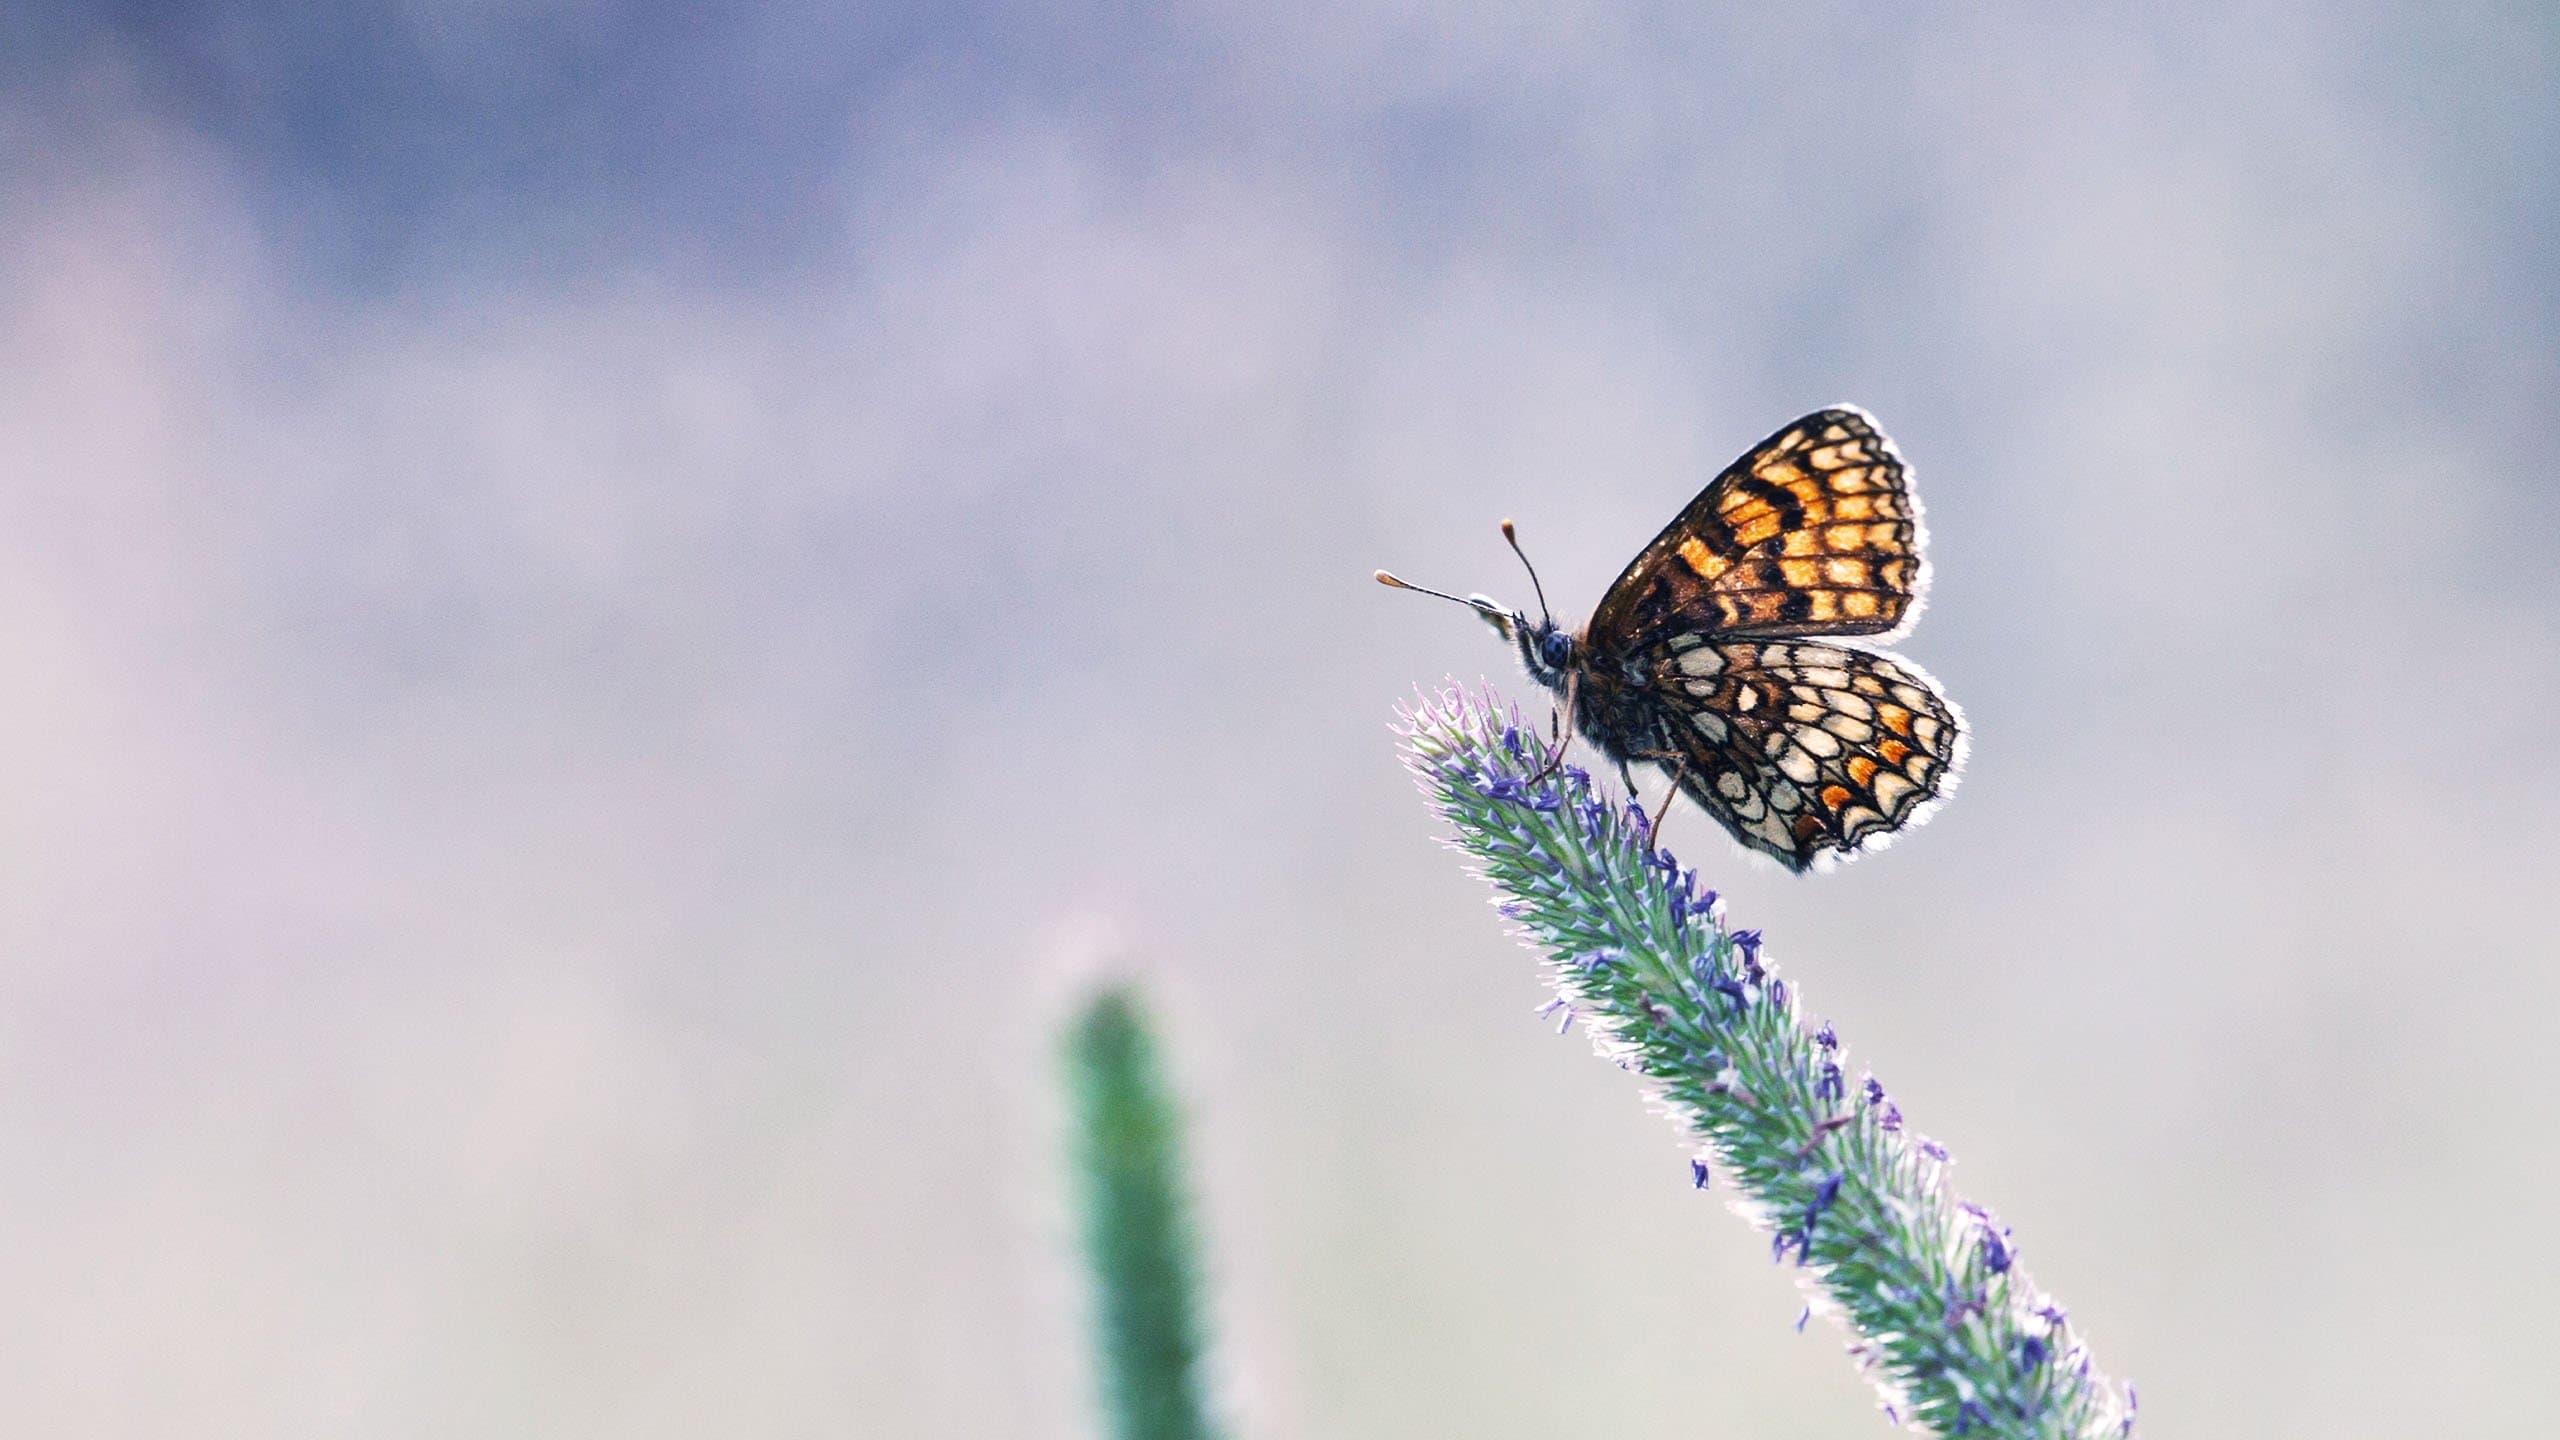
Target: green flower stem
x,y
1137,1230
1943,1319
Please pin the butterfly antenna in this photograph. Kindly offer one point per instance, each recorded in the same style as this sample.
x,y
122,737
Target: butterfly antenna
x,y
1512,535
1391,581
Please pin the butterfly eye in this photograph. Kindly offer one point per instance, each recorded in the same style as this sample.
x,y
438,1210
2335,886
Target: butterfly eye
x,y
1556,648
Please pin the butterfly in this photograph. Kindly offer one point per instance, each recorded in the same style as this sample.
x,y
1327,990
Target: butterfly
x,y
1715,654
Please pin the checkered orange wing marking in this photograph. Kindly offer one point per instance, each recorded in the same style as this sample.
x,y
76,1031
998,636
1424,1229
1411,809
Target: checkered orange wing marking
x,y
1813,532
1807,752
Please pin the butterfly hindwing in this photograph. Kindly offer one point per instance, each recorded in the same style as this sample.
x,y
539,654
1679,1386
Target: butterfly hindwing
x,y
1805,752
1813,532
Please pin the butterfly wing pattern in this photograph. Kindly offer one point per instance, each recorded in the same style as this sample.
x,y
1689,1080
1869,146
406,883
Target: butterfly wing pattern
x,y
1804,750
1813,532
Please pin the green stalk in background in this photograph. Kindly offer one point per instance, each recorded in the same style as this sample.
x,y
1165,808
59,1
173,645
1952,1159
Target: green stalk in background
x,y
1941,1315
1137,1229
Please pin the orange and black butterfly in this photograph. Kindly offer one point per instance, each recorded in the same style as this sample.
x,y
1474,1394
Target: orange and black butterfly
x,y
1713,654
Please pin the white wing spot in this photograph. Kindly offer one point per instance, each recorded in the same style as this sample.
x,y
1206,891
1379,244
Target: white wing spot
x,y
1890,787
1849,728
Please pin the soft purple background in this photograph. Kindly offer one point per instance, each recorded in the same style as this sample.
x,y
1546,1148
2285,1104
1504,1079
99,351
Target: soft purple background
x,y
604,612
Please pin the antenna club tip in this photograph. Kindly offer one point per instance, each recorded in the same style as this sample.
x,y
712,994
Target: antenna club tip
x,y
1509,530
1383,578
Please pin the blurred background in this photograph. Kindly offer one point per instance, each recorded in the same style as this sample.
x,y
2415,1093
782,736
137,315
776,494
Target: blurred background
x,y
607,612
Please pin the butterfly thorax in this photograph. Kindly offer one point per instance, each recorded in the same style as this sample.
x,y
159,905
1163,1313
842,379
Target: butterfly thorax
x,y
1611,706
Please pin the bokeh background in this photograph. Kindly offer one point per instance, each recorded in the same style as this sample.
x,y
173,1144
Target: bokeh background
x,y
606,612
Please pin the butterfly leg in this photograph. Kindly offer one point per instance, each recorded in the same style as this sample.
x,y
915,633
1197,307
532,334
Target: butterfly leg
x,y
1680,769
1679,772
1561,720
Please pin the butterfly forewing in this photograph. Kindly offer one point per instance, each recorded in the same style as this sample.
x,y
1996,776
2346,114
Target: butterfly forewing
x,y
1813,532
1805,751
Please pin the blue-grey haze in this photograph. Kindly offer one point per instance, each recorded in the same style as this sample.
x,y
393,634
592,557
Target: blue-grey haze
x,y
608,610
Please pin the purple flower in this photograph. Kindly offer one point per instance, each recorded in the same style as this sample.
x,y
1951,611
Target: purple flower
x,y
1802,1316
1959,1303
1823,1195
1581,892
1800,1241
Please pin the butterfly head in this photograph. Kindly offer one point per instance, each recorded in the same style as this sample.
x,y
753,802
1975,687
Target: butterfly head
x,y
1545,649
